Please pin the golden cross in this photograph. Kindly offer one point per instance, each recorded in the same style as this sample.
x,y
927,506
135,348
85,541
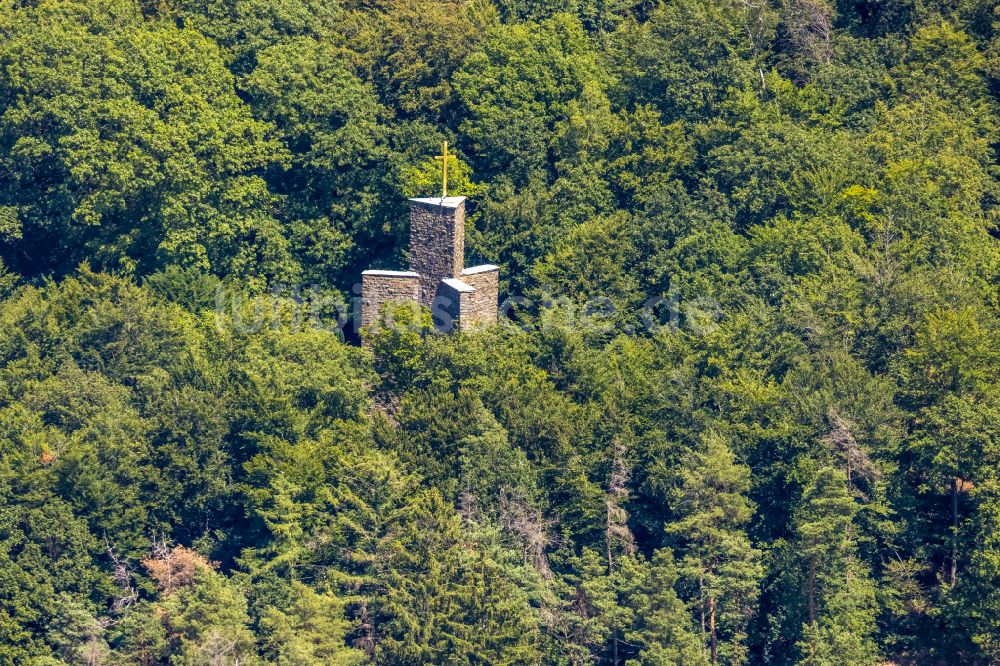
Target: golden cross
x,y
444,157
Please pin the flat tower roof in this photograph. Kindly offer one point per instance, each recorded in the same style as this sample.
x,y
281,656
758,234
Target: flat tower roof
x,y
484,268
446,202
392,273
458,285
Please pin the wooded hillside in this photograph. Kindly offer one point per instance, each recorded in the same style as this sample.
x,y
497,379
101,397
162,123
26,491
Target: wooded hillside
x,y
743,406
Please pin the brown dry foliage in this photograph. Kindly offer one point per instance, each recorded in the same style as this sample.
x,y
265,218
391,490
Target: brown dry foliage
x,y
174,568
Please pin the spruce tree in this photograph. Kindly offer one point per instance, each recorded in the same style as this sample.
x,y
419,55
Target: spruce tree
x,y
833,585
662,630
718,561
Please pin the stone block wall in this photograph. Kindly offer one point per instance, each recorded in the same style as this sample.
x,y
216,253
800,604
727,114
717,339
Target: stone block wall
x,y
437,242
452,305
459,299
381,287
482,306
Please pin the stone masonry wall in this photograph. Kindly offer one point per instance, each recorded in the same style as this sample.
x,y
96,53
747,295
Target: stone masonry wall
x,y
451,306
460,299
381,287
467,316
482,307
437,242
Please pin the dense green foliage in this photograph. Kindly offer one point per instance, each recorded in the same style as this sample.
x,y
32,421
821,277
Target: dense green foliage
x,y
793,458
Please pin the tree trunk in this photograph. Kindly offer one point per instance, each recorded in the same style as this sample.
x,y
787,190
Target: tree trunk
x,y
811,596
611,571
711,629
701,609
811,592
953,574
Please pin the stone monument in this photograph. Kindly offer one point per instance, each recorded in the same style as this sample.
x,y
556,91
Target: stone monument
x,y
460,298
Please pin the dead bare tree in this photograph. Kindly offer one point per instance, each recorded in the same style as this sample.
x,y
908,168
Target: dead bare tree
x,y
123,579
756,25
468,506
528,524
95,652
810,29
841,439
218,649
174,567
617,531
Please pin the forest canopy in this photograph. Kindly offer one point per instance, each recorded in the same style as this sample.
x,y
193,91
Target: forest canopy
x,y
793,458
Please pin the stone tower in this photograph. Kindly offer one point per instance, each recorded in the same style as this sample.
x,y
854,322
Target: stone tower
x,y
459,298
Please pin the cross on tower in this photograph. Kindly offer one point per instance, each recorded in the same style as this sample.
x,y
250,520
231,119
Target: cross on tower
x,y
444,157
459,298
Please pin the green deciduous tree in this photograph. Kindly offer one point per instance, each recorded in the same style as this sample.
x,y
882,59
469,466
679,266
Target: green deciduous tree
x,y
126,145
